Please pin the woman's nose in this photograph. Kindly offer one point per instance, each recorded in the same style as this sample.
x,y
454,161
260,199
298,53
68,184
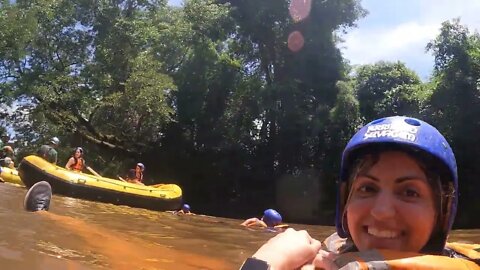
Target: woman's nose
x,y
384,206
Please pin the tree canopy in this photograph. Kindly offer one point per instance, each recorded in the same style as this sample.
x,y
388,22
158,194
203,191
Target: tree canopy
x,y
224,97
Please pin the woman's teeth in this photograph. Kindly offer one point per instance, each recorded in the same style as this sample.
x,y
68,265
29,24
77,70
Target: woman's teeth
x,y
383,233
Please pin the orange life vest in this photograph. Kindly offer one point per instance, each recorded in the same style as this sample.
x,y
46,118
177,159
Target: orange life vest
x,y
139,176
78,165
398,260
462,256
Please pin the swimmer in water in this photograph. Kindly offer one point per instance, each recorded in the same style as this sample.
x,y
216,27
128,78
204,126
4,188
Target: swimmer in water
x,y
270,219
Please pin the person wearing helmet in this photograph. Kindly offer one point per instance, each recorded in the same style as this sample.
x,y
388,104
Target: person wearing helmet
x,y
48,152
398,190
76,161
136,175
270,219
4,140
184,211
7,157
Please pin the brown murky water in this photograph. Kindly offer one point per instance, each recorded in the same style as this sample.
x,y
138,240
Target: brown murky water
x,y
78,234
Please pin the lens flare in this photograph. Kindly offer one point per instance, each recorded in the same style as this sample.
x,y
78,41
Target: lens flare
x,y
295,41
300,9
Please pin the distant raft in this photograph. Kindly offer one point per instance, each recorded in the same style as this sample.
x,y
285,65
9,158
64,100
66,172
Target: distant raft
x,y
161,197
10,176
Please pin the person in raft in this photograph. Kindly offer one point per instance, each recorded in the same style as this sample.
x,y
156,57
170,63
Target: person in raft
x,y
4,138
48,152
136,175
76,161
396,204
7,157
270,219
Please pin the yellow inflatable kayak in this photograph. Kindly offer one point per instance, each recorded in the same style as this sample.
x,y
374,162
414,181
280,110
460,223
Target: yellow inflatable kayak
x,y
164,197
10,176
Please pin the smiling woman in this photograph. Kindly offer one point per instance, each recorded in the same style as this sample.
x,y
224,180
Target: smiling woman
x,y
398,192
396,205
389,188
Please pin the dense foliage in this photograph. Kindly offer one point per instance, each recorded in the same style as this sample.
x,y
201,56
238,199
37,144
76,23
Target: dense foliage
x,y
246,104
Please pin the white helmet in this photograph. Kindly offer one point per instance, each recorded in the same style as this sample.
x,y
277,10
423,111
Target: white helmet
x,y
55,141
7,161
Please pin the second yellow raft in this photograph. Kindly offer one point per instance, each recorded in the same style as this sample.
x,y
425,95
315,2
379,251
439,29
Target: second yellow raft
x,y
10,176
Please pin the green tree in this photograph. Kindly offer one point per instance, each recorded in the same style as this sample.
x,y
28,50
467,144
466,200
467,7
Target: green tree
x,y
345,120
296,90
73,59
211,94
385,89
455,104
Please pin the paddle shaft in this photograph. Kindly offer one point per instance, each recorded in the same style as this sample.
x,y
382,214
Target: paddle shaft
x,y
93,172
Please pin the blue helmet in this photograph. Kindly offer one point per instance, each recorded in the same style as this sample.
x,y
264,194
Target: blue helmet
x,y
272,217
405,132
186,208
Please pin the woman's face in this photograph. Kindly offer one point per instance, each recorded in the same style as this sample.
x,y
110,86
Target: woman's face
x,y
78,153
391,205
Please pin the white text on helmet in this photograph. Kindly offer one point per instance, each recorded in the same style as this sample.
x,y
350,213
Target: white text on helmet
x,y
395,130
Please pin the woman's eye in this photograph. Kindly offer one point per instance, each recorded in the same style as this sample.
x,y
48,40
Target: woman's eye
x,y
366,189
411,193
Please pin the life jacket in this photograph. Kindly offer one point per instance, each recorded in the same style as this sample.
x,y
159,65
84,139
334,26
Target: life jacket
x,y
79,164
134,177
139,176
456,256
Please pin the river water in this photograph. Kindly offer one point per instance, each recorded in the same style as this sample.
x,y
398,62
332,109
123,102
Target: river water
x,y
78,234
